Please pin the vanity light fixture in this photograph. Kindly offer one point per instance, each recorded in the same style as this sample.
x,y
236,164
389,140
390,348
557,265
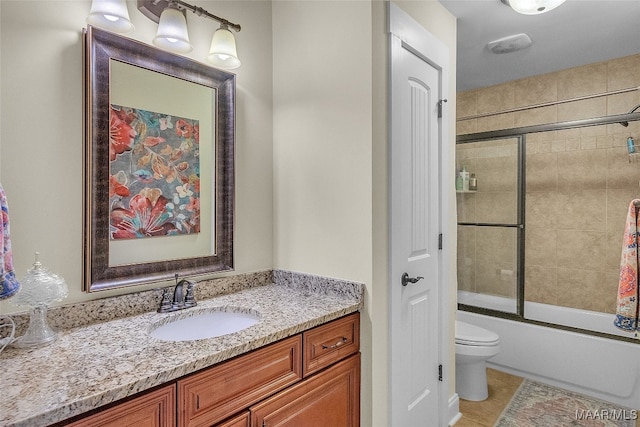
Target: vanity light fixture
x,y
172,30
223,53
532,7
111,15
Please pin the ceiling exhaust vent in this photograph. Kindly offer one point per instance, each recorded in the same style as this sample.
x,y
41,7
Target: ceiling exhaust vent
x,y
510,43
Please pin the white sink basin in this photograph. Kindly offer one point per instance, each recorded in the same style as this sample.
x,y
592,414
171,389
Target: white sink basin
x,y
203,324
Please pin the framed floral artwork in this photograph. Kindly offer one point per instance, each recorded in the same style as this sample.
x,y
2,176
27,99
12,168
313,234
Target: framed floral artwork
x,y
159,164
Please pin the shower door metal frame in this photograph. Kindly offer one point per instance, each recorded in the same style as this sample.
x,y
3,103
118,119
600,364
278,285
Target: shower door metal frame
x,y
519,225
521,133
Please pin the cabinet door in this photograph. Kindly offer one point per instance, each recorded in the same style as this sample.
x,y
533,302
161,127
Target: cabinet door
x,y
210,396
154,409
329,398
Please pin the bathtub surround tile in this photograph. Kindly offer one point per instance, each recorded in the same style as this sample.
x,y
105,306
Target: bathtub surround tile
x,y
467,104
582,170
496,207
575,283
584,109
622,73
466,264
584,249
623,102
535,90
496,98
579,181
97,364
541,247
542,172
542,209
466,205
581,210
581,81
541,284
538,116
620,172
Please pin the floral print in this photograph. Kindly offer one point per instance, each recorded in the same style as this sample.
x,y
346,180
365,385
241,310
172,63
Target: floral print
x,y
154,184
627,307
9,285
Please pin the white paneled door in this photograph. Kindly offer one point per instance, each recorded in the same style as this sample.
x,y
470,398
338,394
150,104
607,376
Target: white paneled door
x,y
415,316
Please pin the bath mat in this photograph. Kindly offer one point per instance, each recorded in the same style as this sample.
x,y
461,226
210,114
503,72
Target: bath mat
x,y
540,405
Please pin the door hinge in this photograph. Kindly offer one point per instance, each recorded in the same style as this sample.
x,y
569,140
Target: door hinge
x,y
440,372
440,241
440,107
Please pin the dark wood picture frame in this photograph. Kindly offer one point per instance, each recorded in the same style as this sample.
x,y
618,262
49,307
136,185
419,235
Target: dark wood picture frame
x,y
100,47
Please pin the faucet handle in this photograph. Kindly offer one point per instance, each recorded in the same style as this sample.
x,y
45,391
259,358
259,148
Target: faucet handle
x,y
190,298
165,303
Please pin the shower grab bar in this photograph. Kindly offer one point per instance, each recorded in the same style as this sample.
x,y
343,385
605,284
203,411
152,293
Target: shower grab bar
x,y
550,103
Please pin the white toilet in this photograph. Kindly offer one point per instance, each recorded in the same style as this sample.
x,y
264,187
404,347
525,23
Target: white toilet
x,y
474,345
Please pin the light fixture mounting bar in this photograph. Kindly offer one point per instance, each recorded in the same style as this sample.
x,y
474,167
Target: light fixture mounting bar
x,y
152,9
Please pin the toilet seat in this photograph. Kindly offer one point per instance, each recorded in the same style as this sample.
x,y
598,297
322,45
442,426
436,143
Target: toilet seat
x,y
472,335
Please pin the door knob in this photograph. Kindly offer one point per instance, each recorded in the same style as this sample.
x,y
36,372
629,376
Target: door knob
x,y
406,279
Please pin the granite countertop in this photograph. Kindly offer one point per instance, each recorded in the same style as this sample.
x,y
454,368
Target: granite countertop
x,y
90,366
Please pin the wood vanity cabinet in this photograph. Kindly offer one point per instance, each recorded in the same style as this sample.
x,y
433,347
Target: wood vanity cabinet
x,y
311,379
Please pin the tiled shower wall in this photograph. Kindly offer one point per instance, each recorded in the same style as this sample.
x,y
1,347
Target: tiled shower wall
x,y
579,183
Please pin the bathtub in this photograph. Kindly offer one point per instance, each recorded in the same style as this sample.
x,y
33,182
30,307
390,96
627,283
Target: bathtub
x,y
603,368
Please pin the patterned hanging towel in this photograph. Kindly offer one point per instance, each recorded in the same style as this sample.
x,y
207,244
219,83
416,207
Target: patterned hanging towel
x,y
627,308
10,284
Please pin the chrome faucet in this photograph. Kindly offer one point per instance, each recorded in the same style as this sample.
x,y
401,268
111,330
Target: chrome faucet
x,y
181,298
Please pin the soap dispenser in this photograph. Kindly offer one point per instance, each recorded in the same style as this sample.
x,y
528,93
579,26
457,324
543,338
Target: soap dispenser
x,y
465,179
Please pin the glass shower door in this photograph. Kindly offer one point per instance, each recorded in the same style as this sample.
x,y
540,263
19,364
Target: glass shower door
x,y
490,223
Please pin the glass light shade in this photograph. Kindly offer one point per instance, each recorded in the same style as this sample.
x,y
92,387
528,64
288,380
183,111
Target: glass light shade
x,y
40,288
172,31
223,52
534,7
112,15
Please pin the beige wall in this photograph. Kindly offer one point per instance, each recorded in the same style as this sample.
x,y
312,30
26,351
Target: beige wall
x,y
579,181
41,163
322,148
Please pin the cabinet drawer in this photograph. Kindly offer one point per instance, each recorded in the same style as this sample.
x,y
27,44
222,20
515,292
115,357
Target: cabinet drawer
x,y
210,396
153,409
328,343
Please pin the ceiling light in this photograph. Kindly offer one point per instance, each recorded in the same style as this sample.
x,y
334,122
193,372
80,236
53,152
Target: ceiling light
x,y
111,15
172,30
223,52
532,7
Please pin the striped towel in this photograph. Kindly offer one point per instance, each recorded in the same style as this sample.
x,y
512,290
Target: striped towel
x,y
9,284
627,307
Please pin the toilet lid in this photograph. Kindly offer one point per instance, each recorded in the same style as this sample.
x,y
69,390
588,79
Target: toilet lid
x,y
474,335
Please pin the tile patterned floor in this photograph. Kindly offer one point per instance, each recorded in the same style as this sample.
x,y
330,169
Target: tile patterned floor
x,y
502,386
